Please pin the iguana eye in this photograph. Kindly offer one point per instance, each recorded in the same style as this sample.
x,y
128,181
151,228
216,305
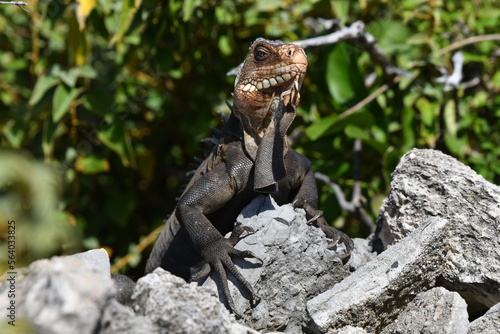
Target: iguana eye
x,y
260,54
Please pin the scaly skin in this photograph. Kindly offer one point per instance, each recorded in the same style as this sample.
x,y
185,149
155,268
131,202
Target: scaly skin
x,y
252,158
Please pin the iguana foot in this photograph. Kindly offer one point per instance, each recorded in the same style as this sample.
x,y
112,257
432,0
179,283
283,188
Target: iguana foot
x,y
217,257
315,217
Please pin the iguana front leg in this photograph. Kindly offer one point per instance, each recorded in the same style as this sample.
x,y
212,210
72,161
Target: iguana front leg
x,y
307,198
209,193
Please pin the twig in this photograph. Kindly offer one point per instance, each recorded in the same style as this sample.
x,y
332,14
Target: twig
x,y
452,82
467,41
15,3
381,90
148,240
354,206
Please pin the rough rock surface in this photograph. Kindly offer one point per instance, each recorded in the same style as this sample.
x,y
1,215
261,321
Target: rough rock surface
x,y
118,318
347,330
434,311
429,183
447,246
439,272
297,266
489,323
173,306
63,294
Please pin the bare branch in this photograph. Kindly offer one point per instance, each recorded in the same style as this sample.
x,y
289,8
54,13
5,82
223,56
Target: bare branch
x,y
452,82
467,41
381,90
354,207
15,3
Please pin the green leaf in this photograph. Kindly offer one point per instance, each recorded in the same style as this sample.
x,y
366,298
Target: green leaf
x,y
333,124
356,132
455,145
450,119
116,138
341,9
128,13
41,87
409,133
188,7
344,80
91,164
63,96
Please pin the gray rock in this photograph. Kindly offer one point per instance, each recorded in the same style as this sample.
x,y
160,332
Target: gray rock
x,y
489,323
60,295
98,258
434,311
173,306
297,266
373,296
459,252
428,183
347,330
118,318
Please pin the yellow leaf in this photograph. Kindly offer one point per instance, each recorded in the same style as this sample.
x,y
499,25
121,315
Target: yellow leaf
x,y
83,10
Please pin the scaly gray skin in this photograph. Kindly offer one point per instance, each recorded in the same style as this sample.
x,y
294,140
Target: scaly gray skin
x,y
252,158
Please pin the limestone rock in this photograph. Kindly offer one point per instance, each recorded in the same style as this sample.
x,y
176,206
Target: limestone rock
x,y
489,323
429,183
373,296
297,266
118,318
61,295
434,311
347,330
173,306
443,222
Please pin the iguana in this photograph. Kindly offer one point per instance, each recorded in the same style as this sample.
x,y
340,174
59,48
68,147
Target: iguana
x,y
252,158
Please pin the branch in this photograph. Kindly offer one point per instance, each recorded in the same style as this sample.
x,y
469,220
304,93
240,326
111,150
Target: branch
x,y
15,3
381,90
355,206
145,242
467,41
452,82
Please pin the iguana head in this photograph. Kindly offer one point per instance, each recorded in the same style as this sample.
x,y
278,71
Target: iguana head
x,y
266,93
270,68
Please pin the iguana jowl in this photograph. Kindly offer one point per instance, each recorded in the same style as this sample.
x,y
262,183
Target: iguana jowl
x,y
252,158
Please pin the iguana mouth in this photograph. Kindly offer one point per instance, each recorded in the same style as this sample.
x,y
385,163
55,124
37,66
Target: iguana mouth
x,y
277,73
266,93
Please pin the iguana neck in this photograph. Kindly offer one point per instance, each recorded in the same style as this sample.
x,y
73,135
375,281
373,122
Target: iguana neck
x,y
265,97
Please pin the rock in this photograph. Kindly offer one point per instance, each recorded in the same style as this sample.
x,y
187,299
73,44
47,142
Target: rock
x,y
434,311
118,318
173,306
428,183
63,294
489,323
441,221
347,330
373,296
297,266
98,258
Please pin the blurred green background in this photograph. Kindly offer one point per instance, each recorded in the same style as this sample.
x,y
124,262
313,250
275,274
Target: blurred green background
x,y
103,105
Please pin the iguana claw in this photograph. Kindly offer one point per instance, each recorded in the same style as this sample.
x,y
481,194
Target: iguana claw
x,y
315,216
218,257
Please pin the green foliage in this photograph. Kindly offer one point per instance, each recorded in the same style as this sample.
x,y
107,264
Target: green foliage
x,y
117,95
32,224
